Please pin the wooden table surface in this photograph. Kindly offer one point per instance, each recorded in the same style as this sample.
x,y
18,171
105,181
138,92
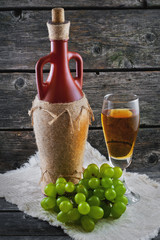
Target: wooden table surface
x,y
119,41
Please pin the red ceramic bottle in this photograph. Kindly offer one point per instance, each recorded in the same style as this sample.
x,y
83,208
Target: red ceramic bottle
x,y
60,86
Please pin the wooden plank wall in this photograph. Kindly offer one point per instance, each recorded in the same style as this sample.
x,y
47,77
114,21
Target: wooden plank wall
x,y
120,44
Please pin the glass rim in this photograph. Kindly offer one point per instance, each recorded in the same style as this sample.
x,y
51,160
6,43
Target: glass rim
x,y
133,97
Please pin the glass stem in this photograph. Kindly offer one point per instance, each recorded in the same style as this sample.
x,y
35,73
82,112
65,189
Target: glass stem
x,y
123,175
124,182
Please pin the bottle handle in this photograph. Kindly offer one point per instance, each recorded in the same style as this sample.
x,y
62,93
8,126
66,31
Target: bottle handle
x,y
79,67
42,86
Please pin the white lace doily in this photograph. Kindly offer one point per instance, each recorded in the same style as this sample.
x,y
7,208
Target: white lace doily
x,y
140,221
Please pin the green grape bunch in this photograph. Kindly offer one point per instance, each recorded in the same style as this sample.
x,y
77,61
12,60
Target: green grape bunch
x,y
99,194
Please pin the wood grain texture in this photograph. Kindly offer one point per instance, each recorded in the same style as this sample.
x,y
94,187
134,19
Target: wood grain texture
x,y
22,145
106,39
19,89
153,3
38,237
7,207
17,225
71,3
17,147
20,224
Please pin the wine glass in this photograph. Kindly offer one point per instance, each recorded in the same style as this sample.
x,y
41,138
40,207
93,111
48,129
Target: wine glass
x,y
120,121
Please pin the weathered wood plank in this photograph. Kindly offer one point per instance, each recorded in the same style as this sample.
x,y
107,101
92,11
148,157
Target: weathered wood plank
x,y
37,238
19,89
20,224
71,3
43,238
17,147
16,224
22,145
153,3
106,39
6,206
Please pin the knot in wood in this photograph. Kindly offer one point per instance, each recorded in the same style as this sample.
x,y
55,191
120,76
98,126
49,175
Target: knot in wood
x,y
150,37
17,13
152,159
97,50
20,82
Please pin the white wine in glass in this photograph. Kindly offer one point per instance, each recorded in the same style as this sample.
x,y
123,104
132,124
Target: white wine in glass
x,y
120,122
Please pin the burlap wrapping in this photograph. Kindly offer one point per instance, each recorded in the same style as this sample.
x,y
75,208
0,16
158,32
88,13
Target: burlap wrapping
x,y
61,131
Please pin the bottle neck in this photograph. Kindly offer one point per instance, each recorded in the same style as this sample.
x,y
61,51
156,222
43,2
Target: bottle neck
x,y
60,50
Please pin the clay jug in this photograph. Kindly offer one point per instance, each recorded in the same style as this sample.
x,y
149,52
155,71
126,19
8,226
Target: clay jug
x,y
60,86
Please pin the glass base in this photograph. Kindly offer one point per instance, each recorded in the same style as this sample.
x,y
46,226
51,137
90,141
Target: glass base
x,y
124,163
132,197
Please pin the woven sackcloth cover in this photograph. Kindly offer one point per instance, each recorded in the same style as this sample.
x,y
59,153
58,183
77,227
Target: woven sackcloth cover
x,y
61,131
140,221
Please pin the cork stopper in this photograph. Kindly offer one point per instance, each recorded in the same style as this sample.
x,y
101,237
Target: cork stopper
x,y
58,29
58,15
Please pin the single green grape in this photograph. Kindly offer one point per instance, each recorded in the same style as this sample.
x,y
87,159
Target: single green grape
x,y
80,197
120,190
83,208
65,206
48,203
50,190
84,182
99,192
106,208
123,199
51,202
43,203
61,199
81,189
117,182
114,214
60,187
93,169
119,208
110,194
106,182
103,167
117,172
87,223
96,212
94,201
62,217
73,215
69,187
61,180
108,172
94,183
86,174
